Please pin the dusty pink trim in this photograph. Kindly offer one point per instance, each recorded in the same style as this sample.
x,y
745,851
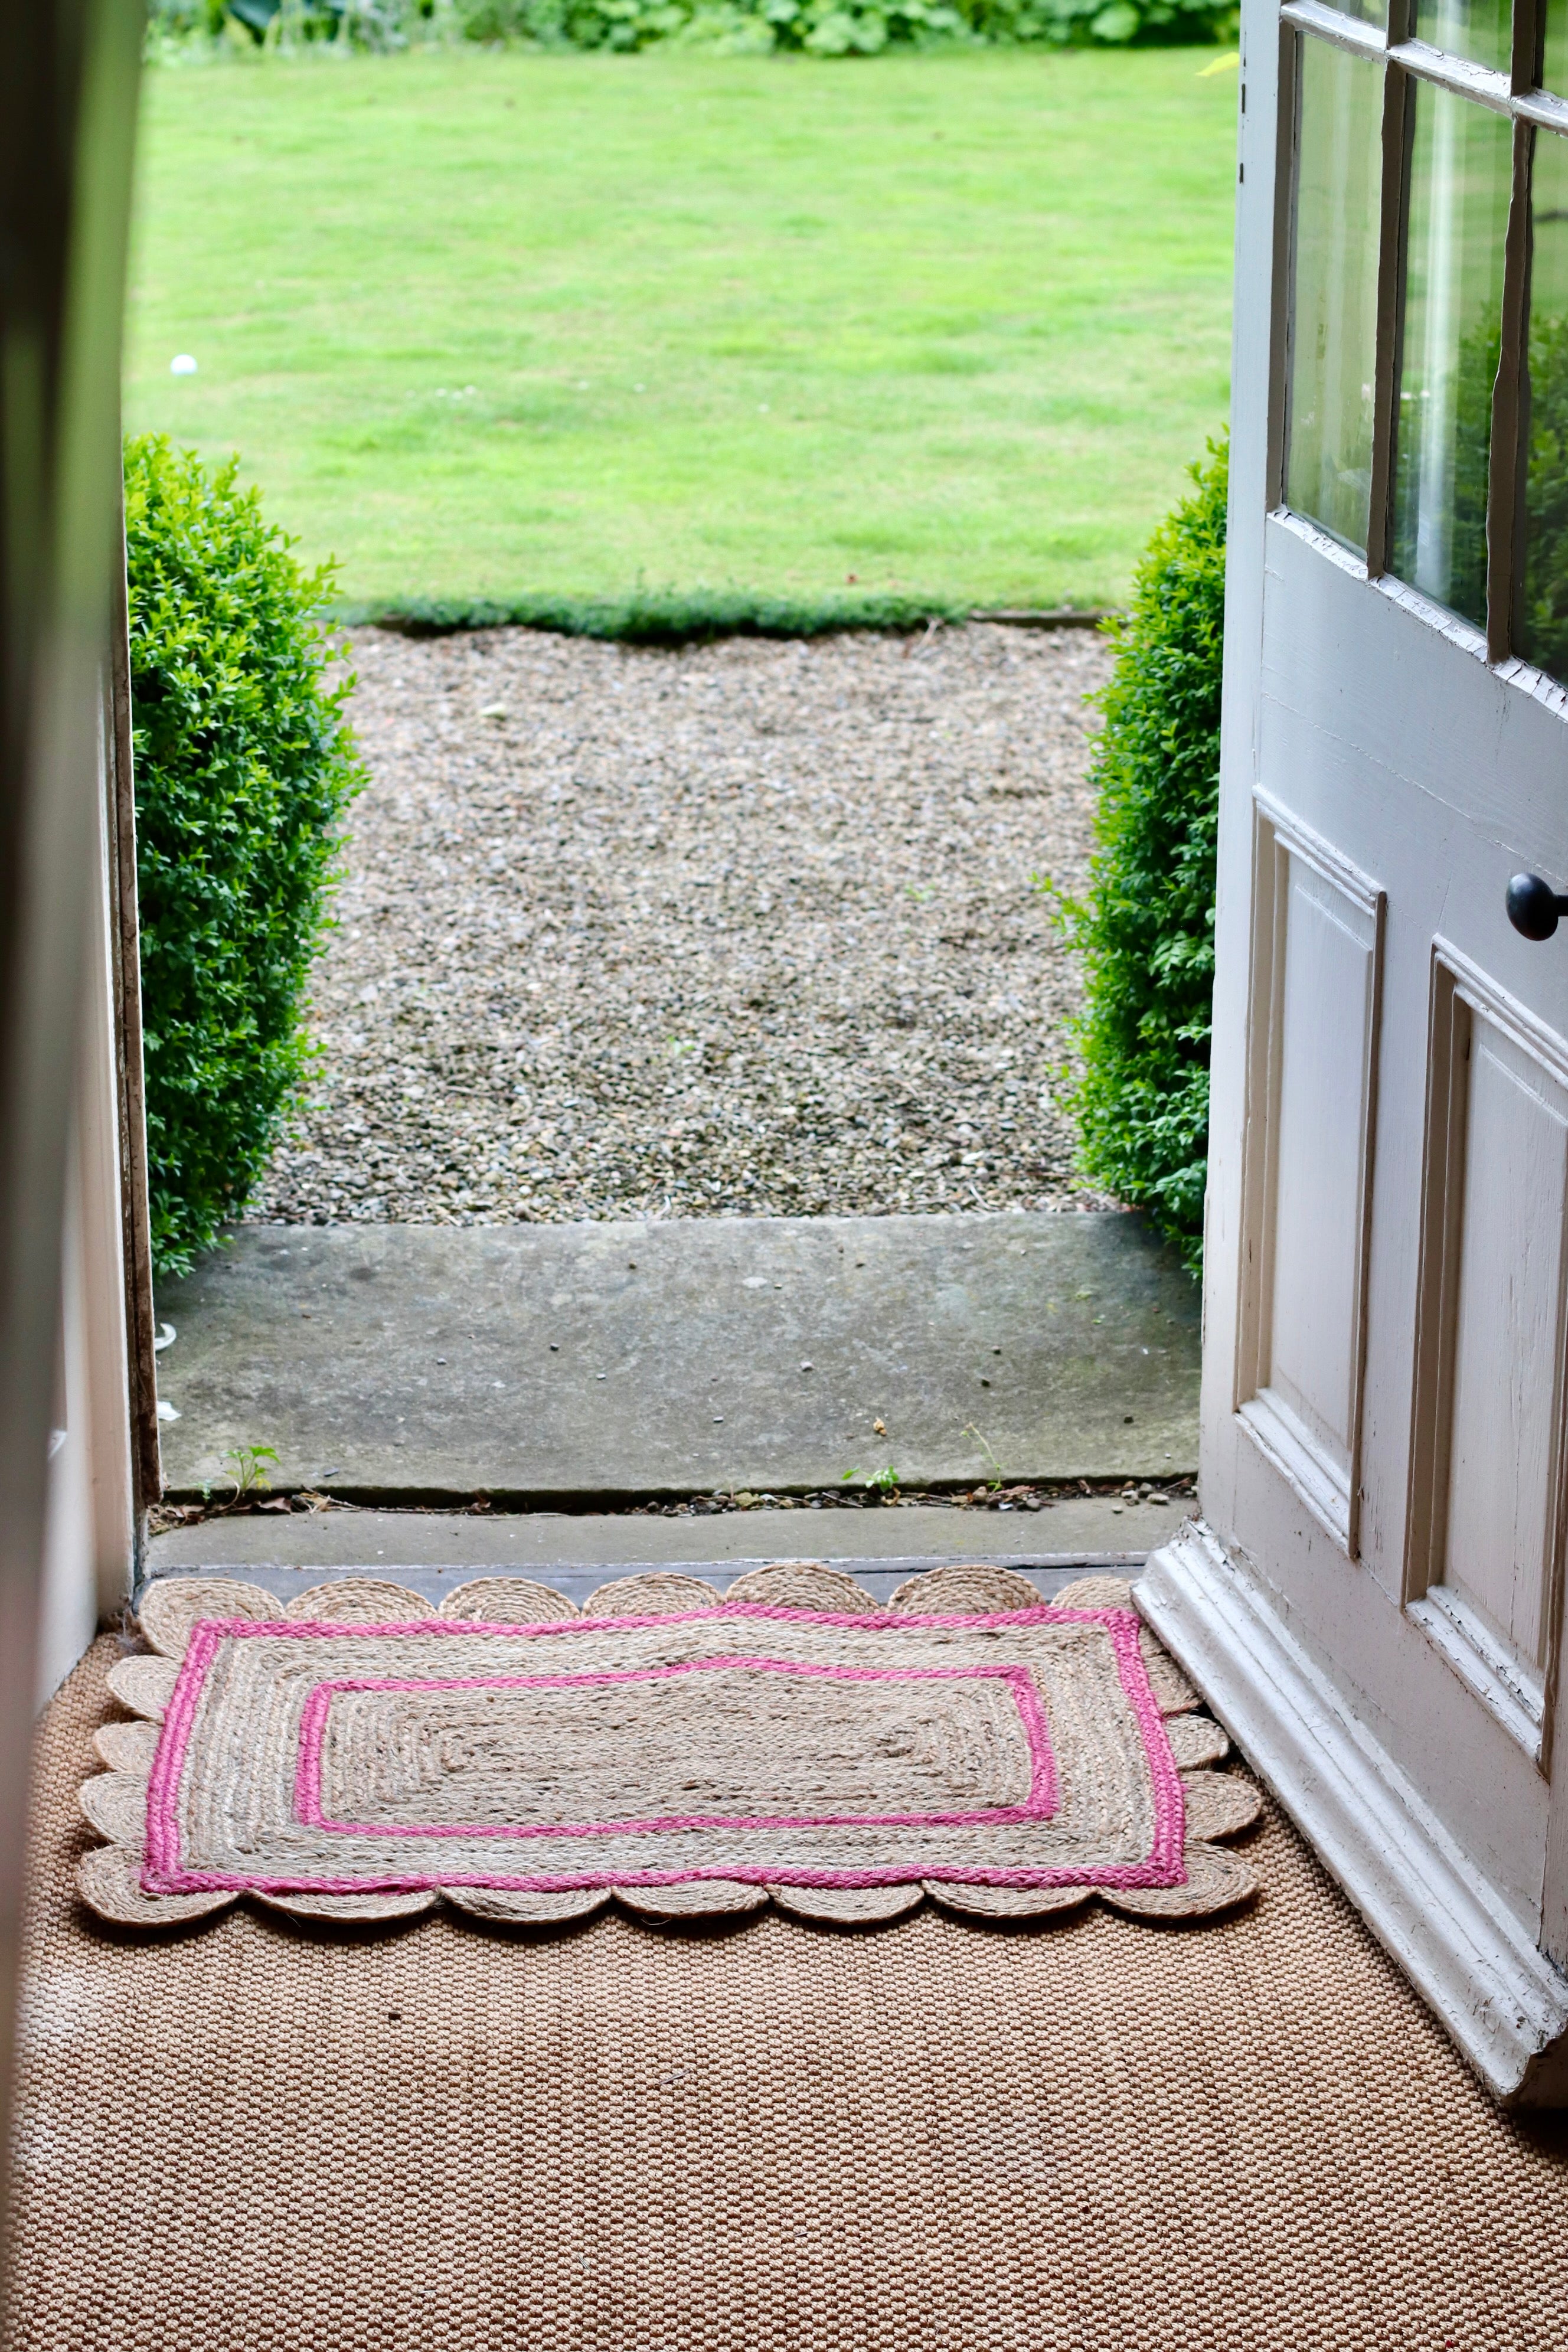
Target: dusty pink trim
x,y
1040,1804
162,1873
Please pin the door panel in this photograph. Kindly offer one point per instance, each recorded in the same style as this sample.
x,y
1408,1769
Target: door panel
x,y
1498,1536
1318,932
1484,1550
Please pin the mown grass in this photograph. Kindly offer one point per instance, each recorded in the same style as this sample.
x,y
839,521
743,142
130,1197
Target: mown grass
x,y
505,326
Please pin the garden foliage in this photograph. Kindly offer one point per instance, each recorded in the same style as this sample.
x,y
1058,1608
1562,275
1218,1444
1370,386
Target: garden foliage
x,y
1541,619
662,616
1146,926
821,27
245,766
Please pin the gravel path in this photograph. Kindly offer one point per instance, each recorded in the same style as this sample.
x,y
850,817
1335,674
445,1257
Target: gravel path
x,y
747,927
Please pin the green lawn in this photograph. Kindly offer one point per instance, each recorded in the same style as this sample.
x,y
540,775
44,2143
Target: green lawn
x,y
493,324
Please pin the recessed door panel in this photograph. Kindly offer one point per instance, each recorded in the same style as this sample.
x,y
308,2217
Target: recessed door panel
x,y
1316,966
1499,1539
1324,1019
1485,1456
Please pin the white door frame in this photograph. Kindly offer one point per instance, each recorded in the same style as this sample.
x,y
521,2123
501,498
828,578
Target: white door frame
x,y
68,106
103,1457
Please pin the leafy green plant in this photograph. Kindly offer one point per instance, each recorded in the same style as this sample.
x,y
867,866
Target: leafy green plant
x,y
1146,926
250,1469
1540,622
245,766
884,1482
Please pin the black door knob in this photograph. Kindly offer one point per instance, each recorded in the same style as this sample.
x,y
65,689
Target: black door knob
x,y
1534,905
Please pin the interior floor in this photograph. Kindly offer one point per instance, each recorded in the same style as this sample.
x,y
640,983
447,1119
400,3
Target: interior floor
x,y
1085,2136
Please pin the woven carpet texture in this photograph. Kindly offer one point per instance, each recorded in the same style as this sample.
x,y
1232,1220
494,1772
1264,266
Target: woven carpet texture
x,y
1244,2136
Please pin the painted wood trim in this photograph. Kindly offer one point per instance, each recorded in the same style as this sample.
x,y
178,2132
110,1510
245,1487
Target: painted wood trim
x,y
1320,542
1541,106
1529,46
126,946
1508,458
1310,845
1442,1201
1505,2005
1451,627
1398,129
1478,83
1554,1875
1505,1689
1256,405
1328,25
1260,1117
1283,306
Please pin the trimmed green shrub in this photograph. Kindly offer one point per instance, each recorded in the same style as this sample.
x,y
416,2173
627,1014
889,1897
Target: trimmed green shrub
x,y
1146,926
245,766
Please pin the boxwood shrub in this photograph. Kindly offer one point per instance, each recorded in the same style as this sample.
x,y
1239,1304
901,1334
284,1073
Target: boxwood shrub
x,y
1145,924
245,765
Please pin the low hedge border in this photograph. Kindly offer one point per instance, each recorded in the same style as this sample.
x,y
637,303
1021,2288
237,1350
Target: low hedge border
x,y
672,618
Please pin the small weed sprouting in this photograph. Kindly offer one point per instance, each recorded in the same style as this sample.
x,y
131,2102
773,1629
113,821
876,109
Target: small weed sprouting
x,y
879,1482
249,1474
994,1481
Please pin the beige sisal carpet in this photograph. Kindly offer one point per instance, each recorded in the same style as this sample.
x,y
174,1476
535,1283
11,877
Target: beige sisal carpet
x,y
1242,2136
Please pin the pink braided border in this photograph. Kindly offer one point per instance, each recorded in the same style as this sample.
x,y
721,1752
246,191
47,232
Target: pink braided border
x,y
163,1873
1040,1805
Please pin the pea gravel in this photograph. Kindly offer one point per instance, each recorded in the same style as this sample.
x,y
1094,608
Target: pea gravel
x,y
746,928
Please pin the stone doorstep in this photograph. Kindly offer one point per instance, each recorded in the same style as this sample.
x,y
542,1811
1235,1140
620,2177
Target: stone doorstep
x,y
435,1550
594,1364
431,1584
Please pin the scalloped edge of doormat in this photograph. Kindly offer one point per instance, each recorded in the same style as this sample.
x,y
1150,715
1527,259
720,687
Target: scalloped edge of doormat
x,y
1215,1806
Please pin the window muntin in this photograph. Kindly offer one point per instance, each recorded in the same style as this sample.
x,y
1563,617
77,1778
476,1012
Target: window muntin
x,y
1333,348
1461,169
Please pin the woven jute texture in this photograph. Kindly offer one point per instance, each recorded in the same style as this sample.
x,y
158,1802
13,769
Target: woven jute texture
x,y
796,1743
1246,2137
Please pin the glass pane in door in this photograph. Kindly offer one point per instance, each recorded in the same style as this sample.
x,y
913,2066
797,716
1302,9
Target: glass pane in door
x,y
1460,171
1554,58
1481,30
1333,338
1540,616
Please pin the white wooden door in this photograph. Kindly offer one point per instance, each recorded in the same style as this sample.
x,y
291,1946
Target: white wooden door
x,y
1375,1600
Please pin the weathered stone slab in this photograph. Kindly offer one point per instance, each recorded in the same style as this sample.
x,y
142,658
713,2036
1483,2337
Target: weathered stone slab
x,y
569,1363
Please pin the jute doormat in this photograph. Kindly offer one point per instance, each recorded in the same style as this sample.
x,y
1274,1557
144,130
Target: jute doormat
x,y
688,1756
